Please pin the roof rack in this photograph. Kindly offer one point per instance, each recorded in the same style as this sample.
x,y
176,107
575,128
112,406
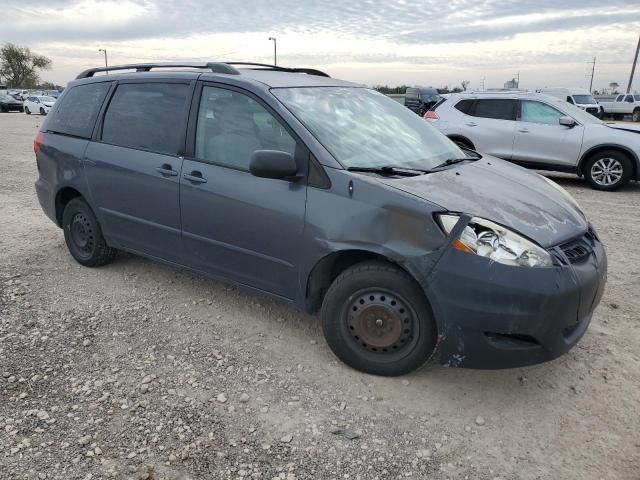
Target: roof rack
x,y
215,67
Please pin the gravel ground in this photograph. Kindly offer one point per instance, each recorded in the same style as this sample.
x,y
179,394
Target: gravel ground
x,y
139,370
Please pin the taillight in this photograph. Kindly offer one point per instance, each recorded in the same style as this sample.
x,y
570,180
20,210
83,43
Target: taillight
x,y
37,143
431,115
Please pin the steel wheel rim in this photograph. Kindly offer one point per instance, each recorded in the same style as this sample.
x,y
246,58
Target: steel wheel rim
x,y
607,171
82,234
381,322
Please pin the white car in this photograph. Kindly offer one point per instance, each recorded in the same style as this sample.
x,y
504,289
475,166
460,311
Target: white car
x,y
542,132
38,104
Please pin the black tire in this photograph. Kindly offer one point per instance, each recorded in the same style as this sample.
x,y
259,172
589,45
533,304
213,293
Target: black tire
x,y
619,159
42,112
392,295
27,111
636,115
83,235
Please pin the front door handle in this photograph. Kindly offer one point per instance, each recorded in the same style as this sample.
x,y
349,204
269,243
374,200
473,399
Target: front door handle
x,y
523,130
167,170
195,177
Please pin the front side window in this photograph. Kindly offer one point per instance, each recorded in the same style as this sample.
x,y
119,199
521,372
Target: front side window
x,y
363,128
498,109
536,112
147,116
231,126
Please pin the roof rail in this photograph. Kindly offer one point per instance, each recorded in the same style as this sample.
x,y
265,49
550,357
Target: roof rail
x,y
146,67
267,66
215,67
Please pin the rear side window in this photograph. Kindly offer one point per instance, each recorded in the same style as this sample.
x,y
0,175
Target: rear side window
x,y
76,112
412,93
499,109
147,116
464,106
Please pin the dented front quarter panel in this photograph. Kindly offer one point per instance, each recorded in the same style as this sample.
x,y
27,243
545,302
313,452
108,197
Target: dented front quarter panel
x,y
468,294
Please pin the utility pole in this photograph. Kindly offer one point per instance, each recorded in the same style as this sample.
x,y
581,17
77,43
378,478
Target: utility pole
x,y
633,67
518,81
593,69
275,50
106,65
483,83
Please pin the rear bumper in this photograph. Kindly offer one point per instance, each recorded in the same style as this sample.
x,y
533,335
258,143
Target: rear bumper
x,y
491,315
46,197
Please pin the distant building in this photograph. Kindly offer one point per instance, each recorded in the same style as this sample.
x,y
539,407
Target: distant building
x,y
513,83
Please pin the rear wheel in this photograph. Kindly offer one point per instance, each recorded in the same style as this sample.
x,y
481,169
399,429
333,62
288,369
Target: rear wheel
x,y
377,320
608,170
636,115
83,235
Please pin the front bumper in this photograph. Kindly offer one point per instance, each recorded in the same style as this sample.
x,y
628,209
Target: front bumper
x,y
491,315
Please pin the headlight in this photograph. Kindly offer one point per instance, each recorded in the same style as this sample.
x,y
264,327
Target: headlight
x,y
487,239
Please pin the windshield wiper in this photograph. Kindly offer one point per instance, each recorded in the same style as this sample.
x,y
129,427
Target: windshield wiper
x,y
390,170
453,161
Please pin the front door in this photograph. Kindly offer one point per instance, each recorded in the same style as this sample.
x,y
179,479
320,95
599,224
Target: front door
x,y
540,137
133,168
236,225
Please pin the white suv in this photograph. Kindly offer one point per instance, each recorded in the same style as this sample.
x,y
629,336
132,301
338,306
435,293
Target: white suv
x,y
543,132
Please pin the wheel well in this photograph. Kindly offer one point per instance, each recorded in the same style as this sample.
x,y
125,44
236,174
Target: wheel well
x,y
64,196
330,267
585,158
465,140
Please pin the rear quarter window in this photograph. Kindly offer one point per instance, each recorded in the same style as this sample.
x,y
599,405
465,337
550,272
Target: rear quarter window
x,y
76,112
464,106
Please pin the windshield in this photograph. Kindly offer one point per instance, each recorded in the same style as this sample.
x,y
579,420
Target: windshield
x,y
364,128
584,99
47,99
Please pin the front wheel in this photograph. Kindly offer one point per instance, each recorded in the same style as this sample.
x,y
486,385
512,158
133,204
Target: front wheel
x,y
27,111
608,170
376,319
83,235
42,112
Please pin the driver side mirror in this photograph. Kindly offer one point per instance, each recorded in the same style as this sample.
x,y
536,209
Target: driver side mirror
x,y
273,164
567,122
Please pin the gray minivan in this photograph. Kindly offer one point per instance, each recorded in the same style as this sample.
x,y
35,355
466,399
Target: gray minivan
x,y
327,195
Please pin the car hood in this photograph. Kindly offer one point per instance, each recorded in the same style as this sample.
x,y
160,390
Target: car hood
x,y
624,127
48,104
504,193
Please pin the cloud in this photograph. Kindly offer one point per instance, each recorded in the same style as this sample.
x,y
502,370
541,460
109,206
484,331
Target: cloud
x,y
457,33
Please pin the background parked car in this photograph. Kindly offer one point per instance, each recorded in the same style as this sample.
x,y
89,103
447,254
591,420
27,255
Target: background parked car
x,y
9,104
625,104
421,99
38,104
539,131
580,97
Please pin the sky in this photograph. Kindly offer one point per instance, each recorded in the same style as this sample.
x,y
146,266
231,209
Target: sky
x,y
375,42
